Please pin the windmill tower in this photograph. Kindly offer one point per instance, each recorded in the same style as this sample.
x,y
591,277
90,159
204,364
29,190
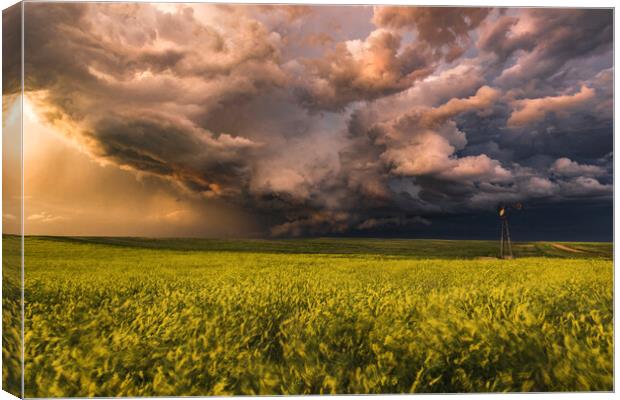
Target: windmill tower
x,y
505,243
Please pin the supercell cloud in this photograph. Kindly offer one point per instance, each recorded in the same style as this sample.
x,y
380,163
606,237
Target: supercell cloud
x,y
320,124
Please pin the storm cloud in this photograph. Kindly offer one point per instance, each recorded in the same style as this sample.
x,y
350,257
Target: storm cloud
x,y
320,124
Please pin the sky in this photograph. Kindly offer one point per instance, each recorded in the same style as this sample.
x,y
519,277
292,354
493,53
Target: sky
x,y
284,121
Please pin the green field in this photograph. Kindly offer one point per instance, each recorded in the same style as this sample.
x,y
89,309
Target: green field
x,y
132,317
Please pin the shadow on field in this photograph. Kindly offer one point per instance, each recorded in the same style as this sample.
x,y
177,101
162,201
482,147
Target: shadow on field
x,y
415,248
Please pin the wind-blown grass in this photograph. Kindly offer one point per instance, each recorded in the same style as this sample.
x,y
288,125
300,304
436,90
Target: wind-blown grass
x,y
132,320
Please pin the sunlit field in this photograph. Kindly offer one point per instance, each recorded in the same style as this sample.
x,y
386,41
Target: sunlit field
x,y
133,317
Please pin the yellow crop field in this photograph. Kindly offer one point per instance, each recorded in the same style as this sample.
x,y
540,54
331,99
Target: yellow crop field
x,y
148,317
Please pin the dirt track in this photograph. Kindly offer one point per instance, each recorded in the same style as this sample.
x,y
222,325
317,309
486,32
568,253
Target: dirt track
x,y
565,248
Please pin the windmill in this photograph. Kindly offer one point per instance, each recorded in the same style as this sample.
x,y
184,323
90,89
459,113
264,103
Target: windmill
x,y
505,244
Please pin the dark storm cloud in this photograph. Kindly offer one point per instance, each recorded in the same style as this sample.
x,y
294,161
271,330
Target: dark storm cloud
x,y
363,70
384,123
446,30
99,73
548,39
196,158
384,62
11,49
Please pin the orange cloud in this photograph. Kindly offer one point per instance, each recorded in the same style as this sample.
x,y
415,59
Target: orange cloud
x,y
529,111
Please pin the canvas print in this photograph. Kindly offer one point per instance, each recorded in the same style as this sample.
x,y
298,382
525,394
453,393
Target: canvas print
x,y
232,199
